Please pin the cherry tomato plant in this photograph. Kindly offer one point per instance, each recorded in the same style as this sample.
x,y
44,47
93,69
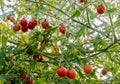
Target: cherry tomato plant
x,y
59,41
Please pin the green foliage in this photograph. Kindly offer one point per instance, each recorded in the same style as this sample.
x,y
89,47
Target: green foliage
x,y
76,14
90,38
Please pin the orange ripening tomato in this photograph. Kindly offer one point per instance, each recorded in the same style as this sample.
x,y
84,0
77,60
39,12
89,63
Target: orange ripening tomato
x,y
16,27
88,69
72,74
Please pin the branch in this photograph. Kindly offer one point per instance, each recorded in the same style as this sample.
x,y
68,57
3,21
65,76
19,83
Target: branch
x,y
36,61
102,50
71,18
18,60
47,4
87,13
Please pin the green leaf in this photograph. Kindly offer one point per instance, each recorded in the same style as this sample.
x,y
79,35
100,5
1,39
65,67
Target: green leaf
x,y
68,8
112,10
2,60
93,16
4,41
98,39
33,65
115,47
11,32
41,81
76,14
117,23
81,31
103,42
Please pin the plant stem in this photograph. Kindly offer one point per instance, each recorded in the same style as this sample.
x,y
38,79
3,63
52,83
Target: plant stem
x,y
111,22
102,50
87,14
13,42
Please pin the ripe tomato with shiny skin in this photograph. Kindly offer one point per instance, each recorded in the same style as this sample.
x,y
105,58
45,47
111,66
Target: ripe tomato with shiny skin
x,y
72,74
34,21
23,22
62,29
104,71
25,28
45,24
62,72
101,9
24,76
88,69
31,25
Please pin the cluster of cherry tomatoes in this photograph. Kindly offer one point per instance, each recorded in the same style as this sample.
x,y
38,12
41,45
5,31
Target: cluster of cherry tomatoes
x,y
62,72
24,25
72,73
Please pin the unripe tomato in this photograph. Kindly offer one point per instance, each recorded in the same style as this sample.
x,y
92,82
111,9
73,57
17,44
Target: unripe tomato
x,y
24,76
72,73
104,71
40,38
62,72
16,27
88,69
101,9
63,29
